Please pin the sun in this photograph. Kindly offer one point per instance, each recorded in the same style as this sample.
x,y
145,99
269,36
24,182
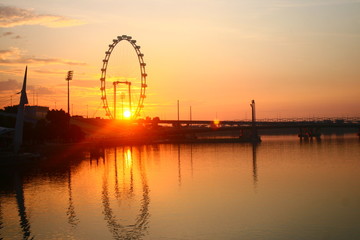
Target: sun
x,y
127,114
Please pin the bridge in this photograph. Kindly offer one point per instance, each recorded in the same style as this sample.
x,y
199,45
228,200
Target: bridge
x,y
349,122
308,128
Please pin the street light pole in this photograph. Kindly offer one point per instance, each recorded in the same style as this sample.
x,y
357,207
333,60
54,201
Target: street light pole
x,y
68,78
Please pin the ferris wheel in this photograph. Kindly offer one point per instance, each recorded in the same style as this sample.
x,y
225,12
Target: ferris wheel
x,y
124,79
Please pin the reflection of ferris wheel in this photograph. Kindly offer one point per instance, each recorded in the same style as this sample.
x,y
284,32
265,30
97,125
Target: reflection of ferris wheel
x,y
131,85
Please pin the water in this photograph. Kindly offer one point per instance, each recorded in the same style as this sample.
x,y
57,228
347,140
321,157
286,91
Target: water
x,y
280,189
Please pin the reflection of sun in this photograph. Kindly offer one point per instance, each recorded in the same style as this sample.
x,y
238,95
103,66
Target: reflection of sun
x,y
127,114
128,158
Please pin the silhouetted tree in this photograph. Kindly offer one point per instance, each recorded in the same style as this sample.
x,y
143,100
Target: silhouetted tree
x,y
58,117
11,109
40,131
59,127
55,127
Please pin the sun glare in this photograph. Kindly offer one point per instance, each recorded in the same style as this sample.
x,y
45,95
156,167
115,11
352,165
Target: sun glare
x,y
127,114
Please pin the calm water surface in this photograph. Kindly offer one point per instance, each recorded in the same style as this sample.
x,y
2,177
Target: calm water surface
x,y
280,189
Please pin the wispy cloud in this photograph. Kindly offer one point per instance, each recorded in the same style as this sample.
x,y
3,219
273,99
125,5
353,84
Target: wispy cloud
x,y
9,85
10,34
43,90
12,86
34,60
13,16
14,56
300,4
6,34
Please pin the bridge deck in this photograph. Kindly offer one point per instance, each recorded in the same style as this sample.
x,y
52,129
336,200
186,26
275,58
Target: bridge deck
x,y
267,124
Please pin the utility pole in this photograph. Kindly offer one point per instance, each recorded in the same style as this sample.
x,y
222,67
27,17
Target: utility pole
x,y
178,111
68,78
190,114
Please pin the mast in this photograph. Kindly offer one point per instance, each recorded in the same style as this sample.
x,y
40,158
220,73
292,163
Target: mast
x,y
20,116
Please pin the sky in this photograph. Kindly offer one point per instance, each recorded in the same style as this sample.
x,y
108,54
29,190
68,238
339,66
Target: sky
x,y
295,58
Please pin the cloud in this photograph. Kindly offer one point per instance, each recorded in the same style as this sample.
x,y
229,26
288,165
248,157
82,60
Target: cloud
x,y
15,56
9,85
44,90
8,52
299,4
6,34
34,60
11,53
12,71
14,85
13,16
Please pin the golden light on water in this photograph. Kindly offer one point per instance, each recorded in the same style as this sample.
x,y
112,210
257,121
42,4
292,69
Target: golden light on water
x,y
128,158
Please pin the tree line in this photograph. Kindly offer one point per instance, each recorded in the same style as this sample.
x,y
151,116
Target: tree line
x,y
56,127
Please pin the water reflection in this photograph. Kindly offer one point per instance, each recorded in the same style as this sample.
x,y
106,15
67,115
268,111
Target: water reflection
x,y
191,160
56,170
20,200
179,164
198,191
255,173
128,161
72,218
138,228
96,154
117,190
1,217
12,185
189,147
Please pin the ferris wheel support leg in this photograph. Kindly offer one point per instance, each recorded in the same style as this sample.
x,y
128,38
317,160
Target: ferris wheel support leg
x,y
129,84
114,100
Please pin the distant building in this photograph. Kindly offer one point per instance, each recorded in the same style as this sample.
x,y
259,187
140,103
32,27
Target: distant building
x,y
36,112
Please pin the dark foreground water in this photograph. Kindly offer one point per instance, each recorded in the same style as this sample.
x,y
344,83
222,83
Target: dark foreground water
x,y
280,189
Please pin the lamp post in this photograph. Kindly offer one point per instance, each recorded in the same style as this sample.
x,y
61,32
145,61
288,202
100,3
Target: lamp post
x,y
68,78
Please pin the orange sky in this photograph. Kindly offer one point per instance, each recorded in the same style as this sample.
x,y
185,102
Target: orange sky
x,y
296,58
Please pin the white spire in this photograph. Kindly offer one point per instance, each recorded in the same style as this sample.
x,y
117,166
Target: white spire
x,y
20,116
